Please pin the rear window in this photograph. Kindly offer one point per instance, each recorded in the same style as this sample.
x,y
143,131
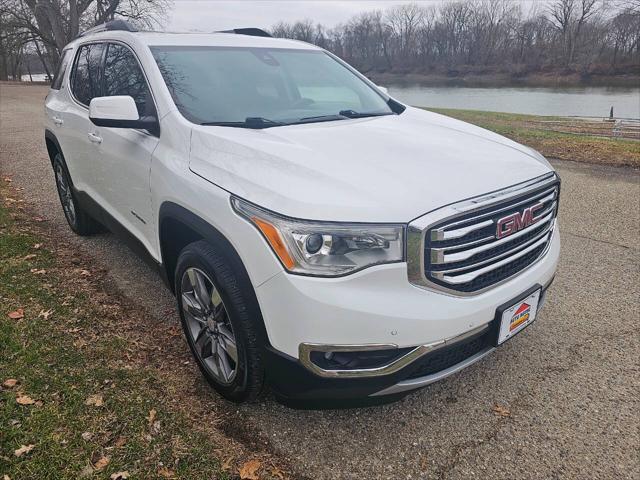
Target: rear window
x,y
62,68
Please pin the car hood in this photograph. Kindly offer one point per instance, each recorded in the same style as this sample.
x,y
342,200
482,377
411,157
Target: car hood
x,y
380,169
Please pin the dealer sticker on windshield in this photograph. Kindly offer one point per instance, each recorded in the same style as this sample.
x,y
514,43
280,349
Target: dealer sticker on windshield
x,y
518,316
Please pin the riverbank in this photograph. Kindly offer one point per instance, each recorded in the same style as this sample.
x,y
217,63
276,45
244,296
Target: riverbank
x,y
557,137
505,80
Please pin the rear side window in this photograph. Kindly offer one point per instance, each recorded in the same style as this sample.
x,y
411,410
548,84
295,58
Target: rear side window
x,y
62,68
123,76
85,78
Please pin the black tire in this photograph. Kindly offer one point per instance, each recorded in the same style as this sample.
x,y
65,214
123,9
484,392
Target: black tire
x,y
77,218
248,380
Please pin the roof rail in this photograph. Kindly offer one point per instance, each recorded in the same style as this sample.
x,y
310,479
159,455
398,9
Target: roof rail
x,y
122,25
254,32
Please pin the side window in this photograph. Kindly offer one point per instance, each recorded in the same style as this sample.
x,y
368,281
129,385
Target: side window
x,y
123,76
85,79
62,68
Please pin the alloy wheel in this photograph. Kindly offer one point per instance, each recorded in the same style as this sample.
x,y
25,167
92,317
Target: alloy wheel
x,y
64,191
209,326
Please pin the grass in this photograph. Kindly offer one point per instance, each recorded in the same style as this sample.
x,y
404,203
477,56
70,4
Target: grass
x,y
556,137
60,358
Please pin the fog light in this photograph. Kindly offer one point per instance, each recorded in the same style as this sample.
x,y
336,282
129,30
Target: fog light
x,y
352,360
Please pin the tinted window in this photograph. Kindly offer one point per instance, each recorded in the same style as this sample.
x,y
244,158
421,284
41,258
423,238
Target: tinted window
x,y
123,76
85,82
62,68
230,84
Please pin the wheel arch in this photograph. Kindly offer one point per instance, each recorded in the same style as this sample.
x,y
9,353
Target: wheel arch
x,y
52,144
178,227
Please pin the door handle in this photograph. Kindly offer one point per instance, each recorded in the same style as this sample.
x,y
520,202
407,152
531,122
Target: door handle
x,y
58,121
94,138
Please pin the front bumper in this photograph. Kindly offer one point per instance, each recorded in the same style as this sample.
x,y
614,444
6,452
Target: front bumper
x,y
378,306
292,380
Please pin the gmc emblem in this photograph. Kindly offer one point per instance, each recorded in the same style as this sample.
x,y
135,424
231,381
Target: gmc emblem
x,y
517,221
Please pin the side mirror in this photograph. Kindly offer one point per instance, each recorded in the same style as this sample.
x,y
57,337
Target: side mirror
x,y
383,90
119,111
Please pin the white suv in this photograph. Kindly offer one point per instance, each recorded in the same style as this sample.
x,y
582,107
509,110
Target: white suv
x,y
319,235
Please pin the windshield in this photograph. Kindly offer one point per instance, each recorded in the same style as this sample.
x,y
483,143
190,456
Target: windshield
x,y
263,87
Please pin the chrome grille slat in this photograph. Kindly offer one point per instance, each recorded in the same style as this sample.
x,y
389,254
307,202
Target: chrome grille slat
x,y
539,236
444,233
460,232
467,277
456,249
439,255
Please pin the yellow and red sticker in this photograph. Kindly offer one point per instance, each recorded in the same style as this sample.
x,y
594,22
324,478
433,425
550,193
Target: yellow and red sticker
x,y
521,316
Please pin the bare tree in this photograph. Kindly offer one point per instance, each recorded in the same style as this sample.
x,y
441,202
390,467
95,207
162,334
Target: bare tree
x,y
54,23
486,35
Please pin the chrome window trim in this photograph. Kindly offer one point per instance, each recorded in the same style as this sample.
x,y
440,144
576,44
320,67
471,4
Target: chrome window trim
x,y
417,229
305,349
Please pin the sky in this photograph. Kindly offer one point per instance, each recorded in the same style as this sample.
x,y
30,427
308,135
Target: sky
x,y
211,15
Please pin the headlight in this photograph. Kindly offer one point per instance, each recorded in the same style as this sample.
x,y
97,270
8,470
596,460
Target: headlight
x,y
325,248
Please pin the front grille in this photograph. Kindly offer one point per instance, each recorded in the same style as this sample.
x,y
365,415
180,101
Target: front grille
x,y
449,356
462,251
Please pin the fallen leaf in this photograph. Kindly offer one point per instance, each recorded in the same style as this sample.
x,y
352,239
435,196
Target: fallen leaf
x,y
8,179
85,273
166,473
501,411
86,436
45,313
40,271
16,314
10,383
6,477
119,475
86,472
95,400
23,449
38,219
37,246
101,463
25,400
29,257
152,416
249,471
120,441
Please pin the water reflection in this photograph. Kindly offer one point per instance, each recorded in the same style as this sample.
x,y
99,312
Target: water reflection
x,y
580,101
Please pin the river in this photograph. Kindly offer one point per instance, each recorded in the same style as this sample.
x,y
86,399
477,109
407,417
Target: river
x,y
578,101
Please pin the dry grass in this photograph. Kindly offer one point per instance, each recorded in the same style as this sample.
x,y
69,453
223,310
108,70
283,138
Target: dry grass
x,y
556,137
93,385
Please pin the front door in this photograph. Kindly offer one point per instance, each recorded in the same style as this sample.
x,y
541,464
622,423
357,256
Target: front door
x,y
122,176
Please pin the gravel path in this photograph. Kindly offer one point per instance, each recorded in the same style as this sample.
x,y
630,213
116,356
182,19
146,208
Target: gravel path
x,y
570,382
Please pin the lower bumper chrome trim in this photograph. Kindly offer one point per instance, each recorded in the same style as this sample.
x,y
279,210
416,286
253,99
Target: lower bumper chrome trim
x,y
434,377
305,350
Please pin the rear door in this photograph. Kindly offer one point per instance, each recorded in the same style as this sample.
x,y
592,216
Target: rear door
x,y
57,101
122,175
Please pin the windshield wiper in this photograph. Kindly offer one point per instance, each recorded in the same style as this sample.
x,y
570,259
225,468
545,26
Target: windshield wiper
x,y
249,122
354,114
319,118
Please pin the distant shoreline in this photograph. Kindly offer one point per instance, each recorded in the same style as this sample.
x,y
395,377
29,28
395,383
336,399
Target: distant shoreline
x,y
505,80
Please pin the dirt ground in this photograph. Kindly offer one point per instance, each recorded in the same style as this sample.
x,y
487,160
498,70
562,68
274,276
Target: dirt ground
x,y
569,384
